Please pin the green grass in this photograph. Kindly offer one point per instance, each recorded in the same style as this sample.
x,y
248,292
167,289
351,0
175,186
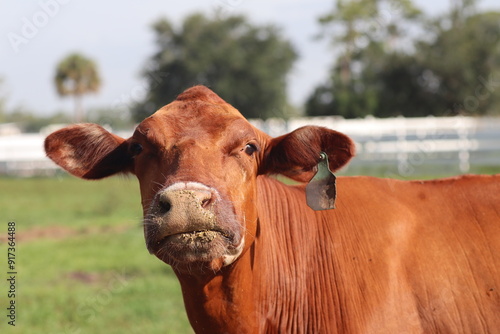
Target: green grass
x,y
81,260
70,202
95,276
98,284
416,172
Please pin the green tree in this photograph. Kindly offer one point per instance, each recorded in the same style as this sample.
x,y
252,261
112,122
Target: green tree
x,y
77,75
363,32
29,122
354,24
247,65
460,10
114,117
453,69
464,60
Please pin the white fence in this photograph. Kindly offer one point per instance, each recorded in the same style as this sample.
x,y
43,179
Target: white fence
x,y
405,146
402,146
24,155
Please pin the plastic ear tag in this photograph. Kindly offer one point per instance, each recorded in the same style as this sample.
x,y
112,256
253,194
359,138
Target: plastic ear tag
x,y
321,191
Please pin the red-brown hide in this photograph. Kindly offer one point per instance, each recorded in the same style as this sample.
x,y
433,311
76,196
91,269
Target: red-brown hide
x,y
252,257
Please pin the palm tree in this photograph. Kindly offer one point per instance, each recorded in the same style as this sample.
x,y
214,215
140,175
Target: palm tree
x,y
77,75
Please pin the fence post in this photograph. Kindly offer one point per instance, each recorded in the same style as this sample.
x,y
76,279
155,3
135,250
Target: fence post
x,y
402,147
464,145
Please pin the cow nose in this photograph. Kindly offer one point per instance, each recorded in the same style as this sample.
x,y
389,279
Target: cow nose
x,y
177,200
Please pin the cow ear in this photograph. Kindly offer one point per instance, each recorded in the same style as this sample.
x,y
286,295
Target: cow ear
x,y
297,154
88,151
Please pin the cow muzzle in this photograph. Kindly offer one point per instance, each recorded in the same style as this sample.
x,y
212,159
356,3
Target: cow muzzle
x,y
189,222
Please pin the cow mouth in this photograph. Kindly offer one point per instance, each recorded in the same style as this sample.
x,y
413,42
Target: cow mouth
x,y
194,246
194,237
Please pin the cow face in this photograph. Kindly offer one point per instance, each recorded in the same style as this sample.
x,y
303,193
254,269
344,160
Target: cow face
x,y
197,161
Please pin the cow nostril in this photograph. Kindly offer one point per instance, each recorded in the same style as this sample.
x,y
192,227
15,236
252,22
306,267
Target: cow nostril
x,y
205,202
182,200
165,206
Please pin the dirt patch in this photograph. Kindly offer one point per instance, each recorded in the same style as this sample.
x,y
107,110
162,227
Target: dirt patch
x,y
62,232
84,277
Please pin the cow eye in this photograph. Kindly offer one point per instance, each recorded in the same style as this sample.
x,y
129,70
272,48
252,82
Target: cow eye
x,y
135,149
250,149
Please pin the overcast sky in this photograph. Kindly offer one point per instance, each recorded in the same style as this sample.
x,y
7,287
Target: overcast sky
x,y
36,35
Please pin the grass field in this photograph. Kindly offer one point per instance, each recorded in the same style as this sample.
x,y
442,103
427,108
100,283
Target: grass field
x,y
82,266
81,262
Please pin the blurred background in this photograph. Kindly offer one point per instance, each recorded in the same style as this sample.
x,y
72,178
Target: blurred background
x,y
116,63
416,83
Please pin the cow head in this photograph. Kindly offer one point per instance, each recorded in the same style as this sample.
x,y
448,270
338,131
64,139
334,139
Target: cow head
x,y
197,161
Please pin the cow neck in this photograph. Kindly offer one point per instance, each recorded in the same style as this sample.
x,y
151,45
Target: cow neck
x,y
222,301
289,256
239,297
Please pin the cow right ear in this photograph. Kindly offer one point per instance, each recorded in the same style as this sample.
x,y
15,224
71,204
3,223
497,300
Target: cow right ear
x,y
297,154
88,151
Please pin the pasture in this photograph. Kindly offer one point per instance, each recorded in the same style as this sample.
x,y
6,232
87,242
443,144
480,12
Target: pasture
x,y
81,263
81,260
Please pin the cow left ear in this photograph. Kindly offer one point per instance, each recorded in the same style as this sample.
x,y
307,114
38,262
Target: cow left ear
x,y
88,151
297,154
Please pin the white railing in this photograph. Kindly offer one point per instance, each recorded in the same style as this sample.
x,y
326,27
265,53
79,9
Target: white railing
x,y
23,155
403,144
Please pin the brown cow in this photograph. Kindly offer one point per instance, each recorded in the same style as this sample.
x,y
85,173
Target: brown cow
x,y
252,257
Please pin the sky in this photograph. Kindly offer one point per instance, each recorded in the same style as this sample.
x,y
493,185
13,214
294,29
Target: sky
x,y
117,35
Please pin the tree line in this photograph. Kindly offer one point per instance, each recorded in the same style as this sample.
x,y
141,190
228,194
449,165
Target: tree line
x,y
388,59
451,67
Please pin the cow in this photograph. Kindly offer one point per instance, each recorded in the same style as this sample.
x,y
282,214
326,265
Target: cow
x,y
252,257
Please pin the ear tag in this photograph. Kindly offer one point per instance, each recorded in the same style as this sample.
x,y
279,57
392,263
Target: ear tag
x,y
321,191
